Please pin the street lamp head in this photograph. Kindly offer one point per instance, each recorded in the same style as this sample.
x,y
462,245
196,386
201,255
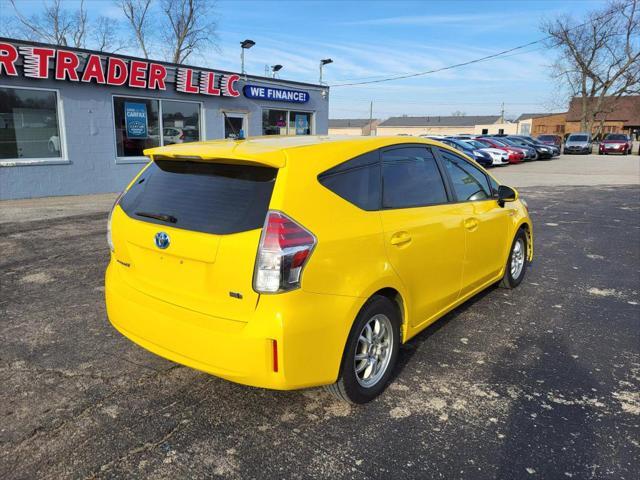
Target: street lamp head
x,y
326,61
247,43
276,68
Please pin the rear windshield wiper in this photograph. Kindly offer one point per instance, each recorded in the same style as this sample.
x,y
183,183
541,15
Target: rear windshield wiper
x,y
158,216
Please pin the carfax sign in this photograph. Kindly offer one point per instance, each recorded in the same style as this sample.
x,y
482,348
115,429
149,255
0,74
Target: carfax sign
x,y
275,94
135,119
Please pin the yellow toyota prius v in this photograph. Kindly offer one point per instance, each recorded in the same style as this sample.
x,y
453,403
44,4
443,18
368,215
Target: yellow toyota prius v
x,y
293,262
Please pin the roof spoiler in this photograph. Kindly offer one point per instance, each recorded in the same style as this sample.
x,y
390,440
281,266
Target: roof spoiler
x,y
257,162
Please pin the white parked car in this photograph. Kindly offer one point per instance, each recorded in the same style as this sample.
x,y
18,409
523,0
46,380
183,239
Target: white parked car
x,y
53,145
172,135
499,157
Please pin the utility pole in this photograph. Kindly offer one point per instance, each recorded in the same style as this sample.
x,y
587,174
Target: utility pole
x,y
502,113
371,118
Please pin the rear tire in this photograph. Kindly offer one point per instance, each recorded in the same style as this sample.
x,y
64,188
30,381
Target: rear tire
x,y
375,340
517,262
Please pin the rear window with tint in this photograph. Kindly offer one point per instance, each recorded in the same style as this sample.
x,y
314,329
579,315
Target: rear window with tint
x,y
578,138
203,197
357,181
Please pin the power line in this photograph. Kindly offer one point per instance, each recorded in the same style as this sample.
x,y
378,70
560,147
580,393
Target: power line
x,y
384,76
477,60
436,70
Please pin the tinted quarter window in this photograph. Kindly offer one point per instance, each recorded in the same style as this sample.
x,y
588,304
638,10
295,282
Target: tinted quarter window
x,y
203,197
411,178
357,181
469,182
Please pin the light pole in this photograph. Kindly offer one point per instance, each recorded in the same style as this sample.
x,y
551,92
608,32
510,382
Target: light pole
x,y
275,69
323,62
244,45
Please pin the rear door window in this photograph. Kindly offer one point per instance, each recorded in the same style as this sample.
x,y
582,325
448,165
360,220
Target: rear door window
x,y
469,183
357,180
411,178
204,197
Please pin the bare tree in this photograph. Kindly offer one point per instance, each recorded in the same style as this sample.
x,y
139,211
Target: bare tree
x,y
138,13
190,27
105,36
458,113
599,59
54,25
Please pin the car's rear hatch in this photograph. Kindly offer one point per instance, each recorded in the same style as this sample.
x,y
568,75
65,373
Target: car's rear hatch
x,y
211,213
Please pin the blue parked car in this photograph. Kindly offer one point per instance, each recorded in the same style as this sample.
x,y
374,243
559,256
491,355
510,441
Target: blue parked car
x,y
483,158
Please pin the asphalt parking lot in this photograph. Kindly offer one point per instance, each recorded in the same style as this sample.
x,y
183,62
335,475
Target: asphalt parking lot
x,y
539,382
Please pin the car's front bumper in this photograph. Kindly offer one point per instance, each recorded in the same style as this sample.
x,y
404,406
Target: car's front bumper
x,y
576,149
613,149
545,154
310,330
499,162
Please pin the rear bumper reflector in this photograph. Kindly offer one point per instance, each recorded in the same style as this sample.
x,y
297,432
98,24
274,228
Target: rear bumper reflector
x,y
274,345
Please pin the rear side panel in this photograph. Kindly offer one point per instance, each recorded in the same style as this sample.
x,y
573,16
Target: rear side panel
x,y
349,258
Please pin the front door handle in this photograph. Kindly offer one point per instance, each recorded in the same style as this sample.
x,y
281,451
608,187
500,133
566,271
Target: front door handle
x,y
471,224
400,238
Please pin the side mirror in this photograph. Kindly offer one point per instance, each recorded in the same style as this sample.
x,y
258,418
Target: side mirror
x,y
506,194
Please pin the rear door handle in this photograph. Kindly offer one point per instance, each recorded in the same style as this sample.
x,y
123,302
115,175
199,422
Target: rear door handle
x,y
400,238
471,224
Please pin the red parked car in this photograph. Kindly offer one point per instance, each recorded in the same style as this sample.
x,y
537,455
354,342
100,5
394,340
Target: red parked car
x,y
516,155
550,140
616,143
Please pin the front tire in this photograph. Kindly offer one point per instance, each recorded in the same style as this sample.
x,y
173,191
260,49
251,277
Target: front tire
x,y
516,262
371,352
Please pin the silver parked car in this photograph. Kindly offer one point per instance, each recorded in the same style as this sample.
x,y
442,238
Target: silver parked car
x,y
578,143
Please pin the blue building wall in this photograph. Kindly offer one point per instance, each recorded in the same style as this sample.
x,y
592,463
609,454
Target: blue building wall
x,y
91,164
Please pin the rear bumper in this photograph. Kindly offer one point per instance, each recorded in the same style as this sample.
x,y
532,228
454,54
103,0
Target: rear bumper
x,y
310,331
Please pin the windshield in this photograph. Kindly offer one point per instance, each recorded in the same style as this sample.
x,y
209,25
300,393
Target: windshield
x,y
475,143
521,141
509,141
616,136
578,138
547,138
490,141
456,143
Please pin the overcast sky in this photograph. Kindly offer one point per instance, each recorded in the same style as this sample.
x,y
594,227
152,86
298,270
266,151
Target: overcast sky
x,y
374,39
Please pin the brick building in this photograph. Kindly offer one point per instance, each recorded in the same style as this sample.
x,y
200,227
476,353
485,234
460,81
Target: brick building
x,y
551,123
621,115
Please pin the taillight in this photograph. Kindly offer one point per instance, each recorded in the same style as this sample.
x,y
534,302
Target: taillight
x,y
109,237
285,247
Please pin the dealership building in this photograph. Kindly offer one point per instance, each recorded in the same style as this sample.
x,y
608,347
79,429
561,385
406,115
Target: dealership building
x,y
76,121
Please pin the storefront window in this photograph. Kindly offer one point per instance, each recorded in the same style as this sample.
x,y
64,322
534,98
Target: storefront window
x,y
285,122
235,125
137,125
180,122
274,122
29,124
299,123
